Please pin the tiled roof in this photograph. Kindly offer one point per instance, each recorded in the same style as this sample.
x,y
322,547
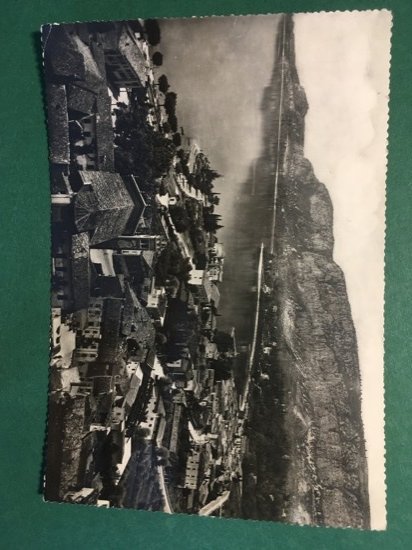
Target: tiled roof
x,y
131,51
102,384
104,132
68,57
58,124
80,270
103,207
109,348
81,100
135,315
110,286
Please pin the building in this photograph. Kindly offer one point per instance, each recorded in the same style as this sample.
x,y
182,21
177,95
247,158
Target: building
x,y
86,495
211,350
71,272
134,244
179,365
126,64
196,277
84,355
92,329
102,206
157,303
206,291
136,381
132,367
192,470
109,347
79,114
155,417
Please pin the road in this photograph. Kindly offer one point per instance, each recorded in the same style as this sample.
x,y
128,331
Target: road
x,y
275,192
214,505
255,330
163,487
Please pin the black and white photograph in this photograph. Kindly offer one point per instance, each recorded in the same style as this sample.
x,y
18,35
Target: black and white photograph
x,y
217,271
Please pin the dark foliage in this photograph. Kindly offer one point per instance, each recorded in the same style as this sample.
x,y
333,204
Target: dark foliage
x,y
157,59
153,31
163,83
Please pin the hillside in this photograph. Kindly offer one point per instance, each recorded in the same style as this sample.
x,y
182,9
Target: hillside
x,y
305,409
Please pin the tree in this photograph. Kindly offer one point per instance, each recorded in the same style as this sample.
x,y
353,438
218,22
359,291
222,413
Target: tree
x,y
152,31
166,128
161,339
163,153
180,218
211,222
170,102
222,368
157,59
163,83
141,432
173,122
177,139
224,341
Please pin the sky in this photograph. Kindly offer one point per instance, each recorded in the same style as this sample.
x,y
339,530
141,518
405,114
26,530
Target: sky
x,y
345,139
219,77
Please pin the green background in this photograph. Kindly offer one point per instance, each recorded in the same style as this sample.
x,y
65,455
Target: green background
x,y
25,520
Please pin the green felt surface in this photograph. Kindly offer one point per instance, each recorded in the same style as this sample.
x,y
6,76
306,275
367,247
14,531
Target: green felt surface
x,y
25,520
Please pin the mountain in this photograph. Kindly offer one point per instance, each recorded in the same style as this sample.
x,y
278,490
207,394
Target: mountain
x,y
306,458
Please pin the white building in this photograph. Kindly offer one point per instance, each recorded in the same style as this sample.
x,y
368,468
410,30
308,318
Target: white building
x,y
192,470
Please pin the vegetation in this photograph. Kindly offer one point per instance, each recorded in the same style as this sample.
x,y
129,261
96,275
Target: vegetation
x,y
140,150
180,218
152,31
171,264
157,59
163,83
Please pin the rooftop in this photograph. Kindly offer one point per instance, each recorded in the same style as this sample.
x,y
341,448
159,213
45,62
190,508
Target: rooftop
x,y
103,205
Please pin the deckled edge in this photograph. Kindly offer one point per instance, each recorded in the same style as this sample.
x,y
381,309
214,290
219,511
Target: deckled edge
x,y
387,125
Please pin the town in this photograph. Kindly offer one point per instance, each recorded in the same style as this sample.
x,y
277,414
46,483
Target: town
x,y
143,406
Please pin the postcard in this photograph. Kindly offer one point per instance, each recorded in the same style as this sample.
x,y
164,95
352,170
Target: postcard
x,y
217,288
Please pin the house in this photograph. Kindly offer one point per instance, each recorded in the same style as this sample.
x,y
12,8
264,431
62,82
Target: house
x,y
58,125
136,325
157,303
211,350
176,426
196,277
86,495
132,367
55,331
71,272
192,470
85,354
134,244
203,287
126,65
102,205
109,348
139,406
180,365
108,286
103,385
103,369
90,129
92,329
79,115
215,271
154,416
136,381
